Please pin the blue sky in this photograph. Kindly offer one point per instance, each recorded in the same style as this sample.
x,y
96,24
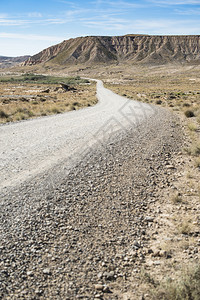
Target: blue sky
x,y
29,26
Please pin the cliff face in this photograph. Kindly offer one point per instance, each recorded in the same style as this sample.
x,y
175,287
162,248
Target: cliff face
x,y
129,48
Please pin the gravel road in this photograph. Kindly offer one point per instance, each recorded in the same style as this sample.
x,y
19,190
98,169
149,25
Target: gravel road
x,y
77,192
30,147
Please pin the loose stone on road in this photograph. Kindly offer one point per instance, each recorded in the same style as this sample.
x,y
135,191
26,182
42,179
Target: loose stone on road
x,y
79,228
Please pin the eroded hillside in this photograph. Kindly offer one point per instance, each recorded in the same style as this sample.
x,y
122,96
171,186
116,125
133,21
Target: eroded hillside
x,y
129,48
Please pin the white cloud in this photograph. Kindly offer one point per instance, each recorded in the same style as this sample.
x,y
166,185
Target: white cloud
x,y
176,2
12,22
32,37
188,12
120,4
28,22
144,26
34,15
125,4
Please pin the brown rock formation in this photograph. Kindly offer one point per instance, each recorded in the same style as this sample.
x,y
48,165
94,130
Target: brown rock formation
x,y
129,48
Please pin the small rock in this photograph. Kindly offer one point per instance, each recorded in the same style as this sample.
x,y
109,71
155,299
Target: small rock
x,y
163,253
99,287
106,289
170,167
29,273
109,275
136,245
156,263
100,275
98,296
47,271
149,219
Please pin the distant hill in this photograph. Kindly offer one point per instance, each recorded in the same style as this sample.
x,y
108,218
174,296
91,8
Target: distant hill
x,y
115,49
6,61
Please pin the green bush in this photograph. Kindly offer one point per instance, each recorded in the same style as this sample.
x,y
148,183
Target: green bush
x,y
43,79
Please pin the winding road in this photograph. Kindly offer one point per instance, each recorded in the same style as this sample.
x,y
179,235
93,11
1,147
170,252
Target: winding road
x,y
30,147
77,191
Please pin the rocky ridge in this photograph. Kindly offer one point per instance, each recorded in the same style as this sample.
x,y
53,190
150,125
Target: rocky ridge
x,y
6,61
116,49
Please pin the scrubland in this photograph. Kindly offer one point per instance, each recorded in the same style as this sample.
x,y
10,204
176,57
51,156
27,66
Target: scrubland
x,y
28,96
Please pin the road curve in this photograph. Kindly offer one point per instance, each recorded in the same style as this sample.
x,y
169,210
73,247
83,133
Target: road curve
x,y
30,147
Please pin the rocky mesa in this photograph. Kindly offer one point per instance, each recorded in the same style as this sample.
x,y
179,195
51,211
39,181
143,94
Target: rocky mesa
x,y
129,48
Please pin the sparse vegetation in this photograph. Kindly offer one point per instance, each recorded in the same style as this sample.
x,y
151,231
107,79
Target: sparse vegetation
x,y
186,287
42,79
28,99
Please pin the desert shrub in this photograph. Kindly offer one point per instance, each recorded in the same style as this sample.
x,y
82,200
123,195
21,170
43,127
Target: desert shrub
x,y
186,104
176,198
159,102
30,113
197,162
3,114
189,113
75,103
184,227
192,127
194,149
186,287
56,110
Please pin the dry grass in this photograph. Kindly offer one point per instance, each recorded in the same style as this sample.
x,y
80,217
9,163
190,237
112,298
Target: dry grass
x,y
176,198
197,162
20,101
184,226
187,287
194,148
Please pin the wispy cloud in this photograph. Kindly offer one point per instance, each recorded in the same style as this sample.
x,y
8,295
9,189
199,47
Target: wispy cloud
x,y
12,22
34,15
33,37
144,26
176,2
188,12
33,21
121,4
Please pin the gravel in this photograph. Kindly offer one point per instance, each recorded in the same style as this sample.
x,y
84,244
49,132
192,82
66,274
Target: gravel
x,y
79,232
31,147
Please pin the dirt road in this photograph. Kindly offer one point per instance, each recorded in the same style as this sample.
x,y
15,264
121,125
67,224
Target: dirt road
x,y
31,147
79,229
